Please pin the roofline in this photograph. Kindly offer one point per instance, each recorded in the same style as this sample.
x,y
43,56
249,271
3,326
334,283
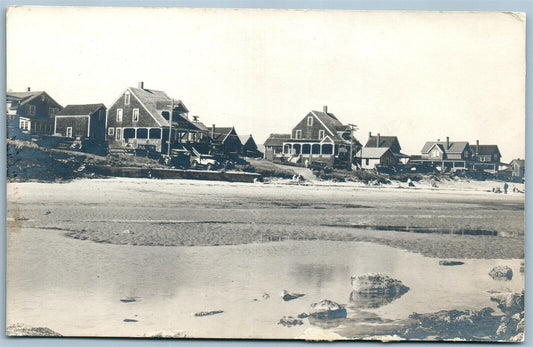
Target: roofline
x,y
314,114
146,108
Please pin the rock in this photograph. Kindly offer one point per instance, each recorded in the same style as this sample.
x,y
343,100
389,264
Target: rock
x,y
378,284
453,324
501,273
207,313
327,309
127,320
509,303
24,330
450,262
287,296
290,321
303,315
128,299
266,296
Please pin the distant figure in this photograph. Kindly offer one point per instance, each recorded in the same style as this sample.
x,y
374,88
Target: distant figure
x,y
306,163
505,187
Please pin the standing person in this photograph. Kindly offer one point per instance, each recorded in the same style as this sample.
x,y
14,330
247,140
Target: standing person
x,y
505,187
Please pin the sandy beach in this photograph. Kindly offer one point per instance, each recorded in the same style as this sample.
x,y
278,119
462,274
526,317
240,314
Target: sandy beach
x,y
142,257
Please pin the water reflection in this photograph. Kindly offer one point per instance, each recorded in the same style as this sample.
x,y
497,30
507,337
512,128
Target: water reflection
x,y
371,300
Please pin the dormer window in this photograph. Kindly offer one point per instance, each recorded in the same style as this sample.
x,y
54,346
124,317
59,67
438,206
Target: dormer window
x,y
127,98
310,121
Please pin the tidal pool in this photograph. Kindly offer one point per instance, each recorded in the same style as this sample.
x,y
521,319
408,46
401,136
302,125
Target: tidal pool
x,y
83,288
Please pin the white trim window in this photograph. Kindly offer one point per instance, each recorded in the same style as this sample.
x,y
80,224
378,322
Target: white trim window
x,y
298,134
119,115
135,115
31,110
111,131
69,132
321,134
24,124
127,98
310,121
118,134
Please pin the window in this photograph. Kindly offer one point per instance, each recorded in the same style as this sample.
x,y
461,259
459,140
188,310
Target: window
x,y
310,121
119,115
321,134
367,161
327,149
127,98
155,133
118,134
142,133
52,111
25,124
128,133
111,131
31,110
135,117
69,131
298,134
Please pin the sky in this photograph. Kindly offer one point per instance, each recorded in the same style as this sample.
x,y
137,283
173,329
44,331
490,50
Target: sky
x,y
421,76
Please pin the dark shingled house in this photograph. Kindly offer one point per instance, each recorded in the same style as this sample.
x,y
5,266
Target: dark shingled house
x,y
82,121
31,112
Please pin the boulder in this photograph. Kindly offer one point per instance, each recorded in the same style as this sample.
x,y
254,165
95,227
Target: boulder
x,y
327,309
286,295
509,303
450,262
501,273
378,284
290,321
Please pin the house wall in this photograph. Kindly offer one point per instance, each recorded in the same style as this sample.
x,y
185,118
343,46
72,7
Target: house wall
x,y
79,125
42,104
369,163
98,129
145,119
309,132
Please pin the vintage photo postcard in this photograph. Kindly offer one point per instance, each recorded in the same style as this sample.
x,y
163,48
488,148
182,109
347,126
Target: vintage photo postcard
x,y
265,174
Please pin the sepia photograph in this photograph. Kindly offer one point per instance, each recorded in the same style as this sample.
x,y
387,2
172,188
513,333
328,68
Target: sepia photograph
x,y
320,175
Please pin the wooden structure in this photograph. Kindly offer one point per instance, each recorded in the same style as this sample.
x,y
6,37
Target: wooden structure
x,y
82,121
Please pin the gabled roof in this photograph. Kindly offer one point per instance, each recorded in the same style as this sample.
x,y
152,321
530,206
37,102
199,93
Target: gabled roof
x,y
519,162
454,146
276,140
154,101
222,133
80,110
485,149
25,97
384,141
201,126
372,152
245,138
330,122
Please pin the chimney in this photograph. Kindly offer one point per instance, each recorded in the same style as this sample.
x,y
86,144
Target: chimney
x,y
213,132
141,85
29,89
447,142
325,109
378,140
369,134
477,147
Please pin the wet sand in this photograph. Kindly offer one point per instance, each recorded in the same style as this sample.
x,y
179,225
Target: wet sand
x,y
438,223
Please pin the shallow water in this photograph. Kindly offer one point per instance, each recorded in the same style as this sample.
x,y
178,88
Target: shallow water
x,y
75,287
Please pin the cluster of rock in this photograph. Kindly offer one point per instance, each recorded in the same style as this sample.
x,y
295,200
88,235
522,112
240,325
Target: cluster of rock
x,y
20,329
469,325
378,284
501,273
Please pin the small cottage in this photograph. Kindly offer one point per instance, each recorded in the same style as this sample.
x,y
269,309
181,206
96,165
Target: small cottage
x,y
249,147
446,155
225,141
373,157
391,142
518,168
87,121
274,146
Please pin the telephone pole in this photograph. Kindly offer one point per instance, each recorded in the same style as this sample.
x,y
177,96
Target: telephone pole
x,y
170,125
353,128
